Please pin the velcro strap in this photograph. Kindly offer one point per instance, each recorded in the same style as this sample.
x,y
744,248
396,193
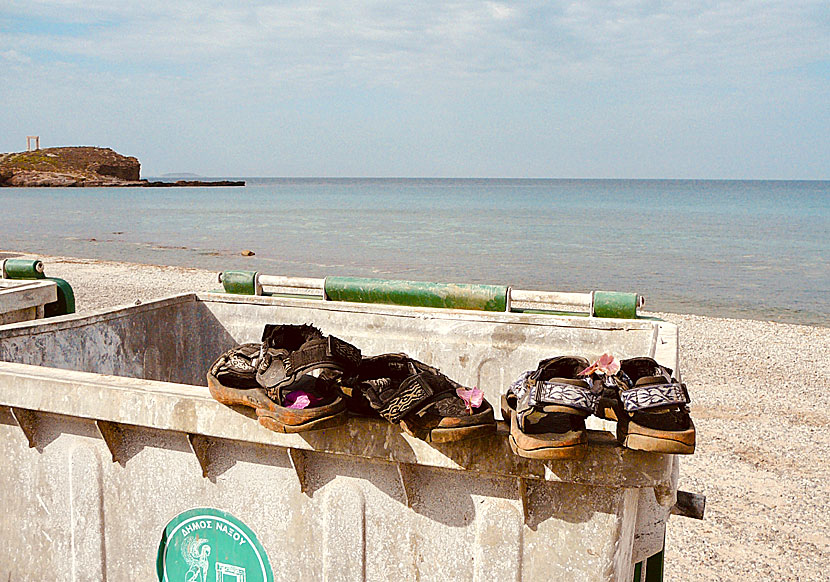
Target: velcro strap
x,y
519,387
329,352
411,393
564,394
654,396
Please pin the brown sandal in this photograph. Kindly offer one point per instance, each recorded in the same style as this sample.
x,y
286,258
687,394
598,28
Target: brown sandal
x,y
232,378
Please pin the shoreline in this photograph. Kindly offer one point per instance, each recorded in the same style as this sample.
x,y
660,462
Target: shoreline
x,y
227,257
143,183
760,402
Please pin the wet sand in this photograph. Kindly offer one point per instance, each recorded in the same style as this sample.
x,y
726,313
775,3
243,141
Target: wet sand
x,y
760,401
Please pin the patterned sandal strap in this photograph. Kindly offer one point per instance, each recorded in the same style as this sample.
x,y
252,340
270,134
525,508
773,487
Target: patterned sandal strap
x,y
654,396
519,387
580,397
239,359
413,394
530,393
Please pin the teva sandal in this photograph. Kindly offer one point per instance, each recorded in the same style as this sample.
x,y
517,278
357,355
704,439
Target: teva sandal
x,y
547,408
275,377
232,378
290,354
425,403
652,412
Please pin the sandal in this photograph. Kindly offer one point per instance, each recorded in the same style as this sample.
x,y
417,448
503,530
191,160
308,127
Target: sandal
x,y
425,402
275,378
232,378
652,412
547,407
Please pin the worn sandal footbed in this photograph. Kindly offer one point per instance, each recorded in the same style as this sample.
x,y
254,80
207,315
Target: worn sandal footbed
x,y
293,420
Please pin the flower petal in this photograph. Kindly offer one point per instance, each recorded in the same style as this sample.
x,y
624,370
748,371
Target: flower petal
x,y
589,370
299,399
472,398
605,364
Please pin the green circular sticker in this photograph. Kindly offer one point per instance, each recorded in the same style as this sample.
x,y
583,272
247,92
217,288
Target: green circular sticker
x,y
209,545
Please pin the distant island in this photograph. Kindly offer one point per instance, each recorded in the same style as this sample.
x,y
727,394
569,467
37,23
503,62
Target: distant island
x,y
82,166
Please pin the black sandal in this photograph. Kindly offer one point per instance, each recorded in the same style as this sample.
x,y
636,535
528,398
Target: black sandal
x,y
425,403
547,407
651,410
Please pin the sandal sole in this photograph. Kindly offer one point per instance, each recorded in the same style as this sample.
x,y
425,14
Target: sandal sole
x,y
324,422
556,453
485,425
641,438
449,435
250,397
569,453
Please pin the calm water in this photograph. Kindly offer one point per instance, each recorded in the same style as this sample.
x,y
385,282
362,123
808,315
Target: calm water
x,y
740,249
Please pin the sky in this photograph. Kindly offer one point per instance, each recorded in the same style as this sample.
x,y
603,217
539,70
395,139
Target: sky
x,y
593,89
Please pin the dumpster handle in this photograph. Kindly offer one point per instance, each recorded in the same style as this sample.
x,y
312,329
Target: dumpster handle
x,y
597,303
689,505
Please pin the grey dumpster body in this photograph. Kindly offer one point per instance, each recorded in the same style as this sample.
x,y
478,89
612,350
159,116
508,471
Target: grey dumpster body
x,y
108,432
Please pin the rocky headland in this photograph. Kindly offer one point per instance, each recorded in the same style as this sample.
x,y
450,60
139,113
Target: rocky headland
x,y
81,166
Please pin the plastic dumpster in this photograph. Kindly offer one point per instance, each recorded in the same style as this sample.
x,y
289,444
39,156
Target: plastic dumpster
x,y
115,452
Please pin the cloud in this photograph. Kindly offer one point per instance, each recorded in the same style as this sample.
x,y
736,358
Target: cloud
x,y
517,73
432,43
14,56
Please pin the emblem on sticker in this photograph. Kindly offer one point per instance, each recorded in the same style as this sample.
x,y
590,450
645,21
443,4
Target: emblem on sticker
x,y
209,545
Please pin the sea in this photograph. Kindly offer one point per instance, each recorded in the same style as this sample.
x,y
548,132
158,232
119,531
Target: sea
x,y
743,249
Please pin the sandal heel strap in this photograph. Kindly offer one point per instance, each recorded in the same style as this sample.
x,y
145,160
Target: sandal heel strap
x,y
331,352
520,387
654,396
564,394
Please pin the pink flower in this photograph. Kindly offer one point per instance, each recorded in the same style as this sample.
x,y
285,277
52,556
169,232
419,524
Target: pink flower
x,y
605,364
299,399
472,398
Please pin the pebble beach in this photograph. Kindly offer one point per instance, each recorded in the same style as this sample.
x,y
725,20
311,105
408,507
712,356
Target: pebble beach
x,y
760,401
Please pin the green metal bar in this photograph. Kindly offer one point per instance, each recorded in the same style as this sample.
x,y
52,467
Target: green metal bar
x,y
23,269
66,299
614,304
417,293
32,269
240,282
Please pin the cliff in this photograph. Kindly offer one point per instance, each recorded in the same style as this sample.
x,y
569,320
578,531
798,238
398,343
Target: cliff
x,y
69,166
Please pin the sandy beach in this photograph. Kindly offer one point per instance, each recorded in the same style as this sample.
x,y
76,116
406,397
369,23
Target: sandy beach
x,y
760,401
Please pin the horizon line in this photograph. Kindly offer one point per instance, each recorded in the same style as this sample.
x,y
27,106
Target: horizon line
x,y
527,178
